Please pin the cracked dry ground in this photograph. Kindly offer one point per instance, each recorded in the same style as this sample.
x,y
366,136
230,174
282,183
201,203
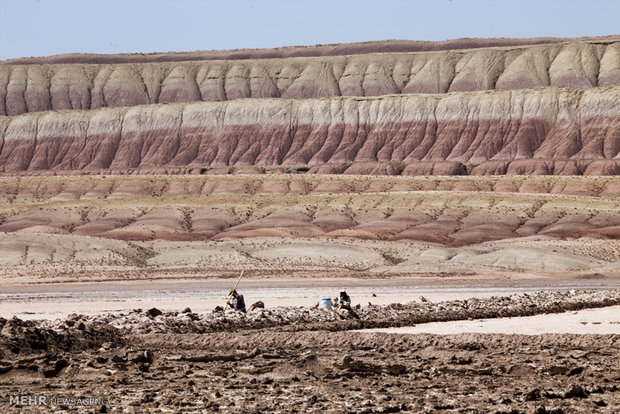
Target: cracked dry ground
x,y
277,371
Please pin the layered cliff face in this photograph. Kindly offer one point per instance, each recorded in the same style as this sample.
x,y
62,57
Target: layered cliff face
x,y
244,144
580,65
483,107
536,131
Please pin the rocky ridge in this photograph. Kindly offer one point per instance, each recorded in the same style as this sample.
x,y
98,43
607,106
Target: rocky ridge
x,y
385,46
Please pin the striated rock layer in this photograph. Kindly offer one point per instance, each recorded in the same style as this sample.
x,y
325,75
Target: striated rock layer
x,y
537,131
579,65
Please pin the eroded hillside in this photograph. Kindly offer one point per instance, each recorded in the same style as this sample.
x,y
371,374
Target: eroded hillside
x,y
283,174
452,212
542,131
580,65
479,107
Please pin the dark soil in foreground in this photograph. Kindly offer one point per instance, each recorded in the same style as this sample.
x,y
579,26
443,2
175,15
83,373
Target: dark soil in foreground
x,y
138,365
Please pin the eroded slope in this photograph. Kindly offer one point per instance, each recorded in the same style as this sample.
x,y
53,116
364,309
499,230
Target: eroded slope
x,y
581,65
451,212
541,131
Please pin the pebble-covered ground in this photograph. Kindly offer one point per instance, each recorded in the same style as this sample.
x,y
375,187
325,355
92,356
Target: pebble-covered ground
x,y
295,359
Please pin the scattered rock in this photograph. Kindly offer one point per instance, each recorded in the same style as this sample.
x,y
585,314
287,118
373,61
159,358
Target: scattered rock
x,y
444,406
5,367
147,397
461,360
533,395
145,356
257,305
395,369
543,410
576,391
55,370
484,371
557,370
390,409
154,312
552,395
117,359
349,364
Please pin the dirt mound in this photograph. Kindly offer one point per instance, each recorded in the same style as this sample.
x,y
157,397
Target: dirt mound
x,y
19,337
371,316
80,332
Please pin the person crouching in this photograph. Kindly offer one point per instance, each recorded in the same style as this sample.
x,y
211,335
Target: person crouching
x,y
236,301
343,306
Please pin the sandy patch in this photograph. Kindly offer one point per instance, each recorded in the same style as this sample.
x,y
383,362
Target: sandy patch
x,y
588,321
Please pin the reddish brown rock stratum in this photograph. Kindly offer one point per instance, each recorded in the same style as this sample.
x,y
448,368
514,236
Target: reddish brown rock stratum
x,y
535,131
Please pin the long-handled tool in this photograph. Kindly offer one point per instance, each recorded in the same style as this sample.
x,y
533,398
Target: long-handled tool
x,y
235,288
238,280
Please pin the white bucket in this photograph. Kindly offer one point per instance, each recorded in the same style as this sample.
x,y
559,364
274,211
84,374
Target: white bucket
x,y
326,303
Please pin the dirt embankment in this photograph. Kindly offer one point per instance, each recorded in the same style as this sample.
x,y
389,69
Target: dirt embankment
x,y
293,319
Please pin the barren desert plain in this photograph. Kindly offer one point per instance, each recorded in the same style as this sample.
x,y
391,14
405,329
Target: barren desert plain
x,y
464,193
